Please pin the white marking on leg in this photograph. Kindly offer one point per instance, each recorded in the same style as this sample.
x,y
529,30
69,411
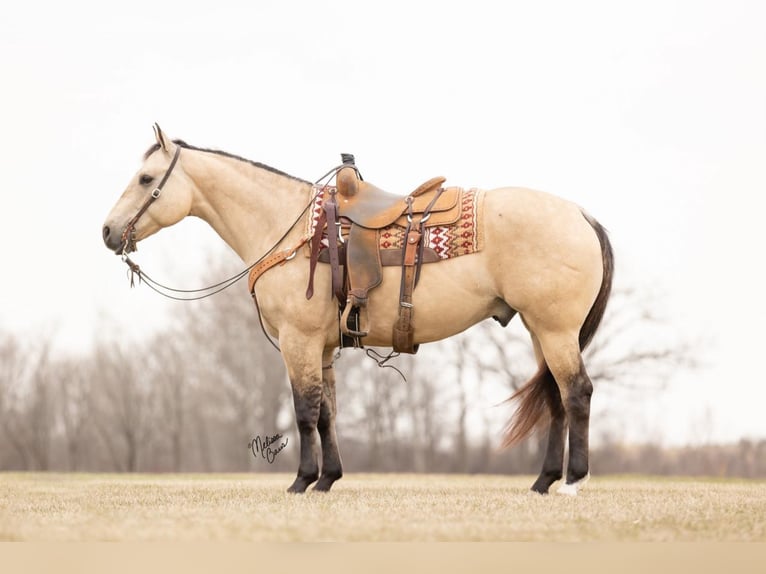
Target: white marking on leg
x,y
572,489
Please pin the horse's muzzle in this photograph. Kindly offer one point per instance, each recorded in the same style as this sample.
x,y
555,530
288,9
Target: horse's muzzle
x,y
113,241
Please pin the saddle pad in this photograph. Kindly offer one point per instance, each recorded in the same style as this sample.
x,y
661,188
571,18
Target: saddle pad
x,y
463,237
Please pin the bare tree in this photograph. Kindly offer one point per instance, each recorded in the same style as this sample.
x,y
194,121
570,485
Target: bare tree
x,y
74,389
40,415
27,401
634,349
122,403
370,406
13,362
168,375
240,381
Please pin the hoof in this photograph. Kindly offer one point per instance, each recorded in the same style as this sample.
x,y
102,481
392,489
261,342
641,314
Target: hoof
x,y
571,489
300,485
296,489
537,489
325,483
544,481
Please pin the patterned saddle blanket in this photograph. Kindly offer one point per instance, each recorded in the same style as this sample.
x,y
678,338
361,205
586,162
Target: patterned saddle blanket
x,y
441,241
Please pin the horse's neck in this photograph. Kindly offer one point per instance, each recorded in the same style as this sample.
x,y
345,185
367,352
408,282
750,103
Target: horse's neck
x,y
249,207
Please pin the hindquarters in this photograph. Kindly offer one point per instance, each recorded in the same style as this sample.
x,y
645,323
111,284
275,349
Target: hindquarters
x,y
565,264
541,395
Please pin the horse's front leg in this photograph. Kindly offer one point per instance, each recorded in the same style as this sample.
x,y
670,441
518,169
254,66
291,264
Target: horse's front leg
x,y
332,468
304,367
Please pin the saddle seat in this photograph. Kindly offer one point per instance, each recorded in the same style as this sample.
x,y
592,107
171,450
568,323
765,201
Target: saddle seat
x,y
367,205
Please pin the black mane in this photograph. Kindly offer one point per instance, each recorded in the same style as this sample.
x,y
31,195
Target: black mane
x,y
257,164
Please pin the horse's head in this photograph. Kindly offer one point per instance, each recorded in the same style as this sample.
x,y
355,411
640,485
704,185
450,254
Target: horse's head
x,y
159,195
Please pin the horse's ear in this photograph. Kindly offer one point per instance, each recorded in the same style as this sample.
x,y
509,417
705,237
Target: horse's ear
x,y
162,139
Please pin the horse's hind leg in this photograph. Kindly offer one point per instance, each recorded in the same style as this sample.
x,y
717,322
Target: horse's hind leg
x,y
562,354
577,405
332,468
553,464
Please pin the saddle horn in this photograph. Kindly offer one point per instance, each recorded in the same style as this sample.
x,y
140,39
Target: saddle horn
x,y
348,177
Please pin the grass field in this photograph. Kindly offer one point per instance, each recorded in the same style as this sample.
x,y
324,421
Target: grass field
x,y
98,507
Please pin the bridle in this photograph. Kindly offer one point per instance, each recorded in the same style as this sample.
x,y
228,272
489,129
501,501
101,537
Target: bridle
x,y
129,233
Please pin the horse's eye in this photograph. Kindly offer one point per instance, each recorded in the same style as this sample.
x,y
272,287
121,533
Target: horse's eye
x,y
145,179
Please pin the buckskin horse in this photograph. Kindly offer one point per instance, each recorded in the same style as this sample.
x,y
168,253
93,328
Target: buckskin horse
x,y
541,257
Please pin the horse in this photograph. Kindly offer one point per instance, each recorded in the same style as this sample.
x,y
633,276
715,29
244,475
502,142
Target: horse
x,y
544,259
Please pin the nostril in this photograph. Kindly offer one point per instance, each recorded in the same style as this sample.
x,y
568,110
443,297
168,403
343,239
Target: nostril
x,y
106,232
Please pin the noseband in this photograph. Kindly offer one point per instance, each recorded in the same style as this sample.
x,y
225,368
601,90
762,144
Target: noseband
x,y
128,235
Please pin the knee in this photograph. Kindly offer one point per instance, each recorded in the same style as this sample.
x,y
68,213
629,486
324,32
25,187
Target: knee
x,y
306,426
307,407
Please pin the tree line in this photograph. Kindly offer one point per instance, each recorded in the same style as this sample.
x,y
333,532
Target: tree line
x,y
194,396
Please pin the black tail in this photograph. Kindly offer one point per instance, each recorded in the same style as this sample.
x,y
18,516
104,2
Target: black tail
x,y
540,395
593,320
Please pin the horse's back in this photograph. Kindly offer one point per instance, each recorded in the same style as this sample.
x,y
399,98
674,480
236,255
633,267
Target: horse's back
x,y
529,208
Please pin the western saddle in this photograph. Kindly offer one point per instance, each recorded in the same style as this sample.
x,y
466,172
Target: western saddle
x,y
364,210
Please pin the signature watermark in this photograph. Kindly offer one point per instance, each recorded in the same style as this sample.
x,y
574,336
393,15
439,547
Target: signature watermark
x,y
267,447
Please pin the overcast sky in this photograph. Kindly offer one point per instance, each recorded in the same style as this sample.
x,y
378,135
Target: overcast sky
x,y
651,115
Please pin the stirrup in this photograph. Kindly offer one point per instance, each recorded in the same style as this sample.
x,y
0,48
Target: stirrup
x,y
362,320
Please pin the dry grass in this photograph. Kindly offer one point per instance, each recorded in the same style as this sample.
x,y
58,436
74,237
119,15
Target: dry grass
x,y
95,507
